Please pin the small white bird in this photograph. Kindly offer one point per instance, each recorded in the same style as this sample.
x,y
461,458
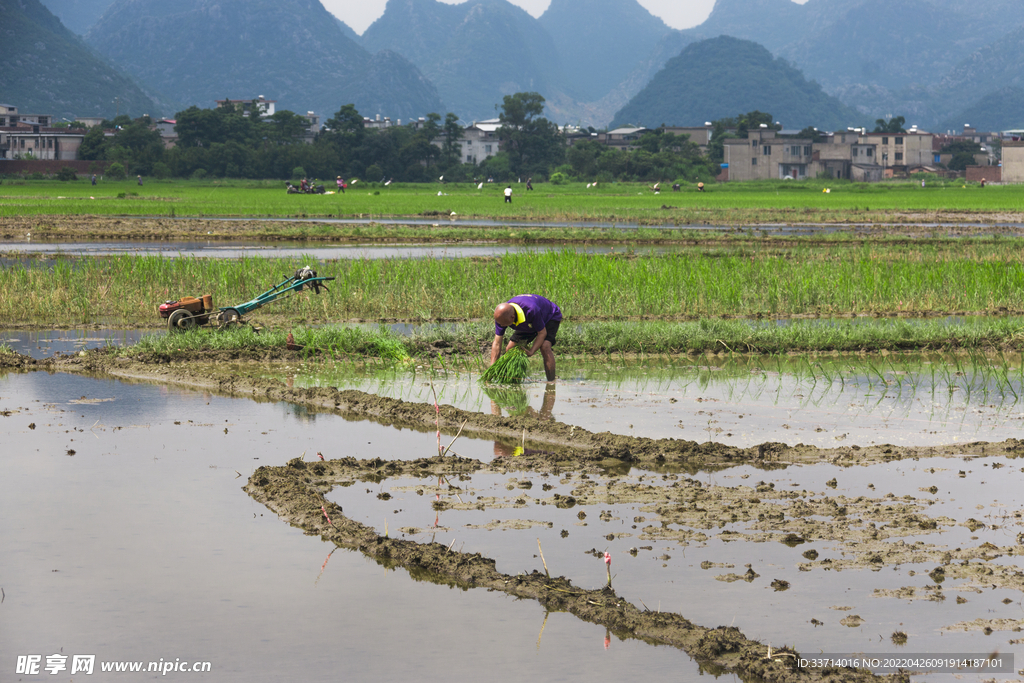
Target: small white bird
x,y
439,193
480,186
441,178
388,182
588,186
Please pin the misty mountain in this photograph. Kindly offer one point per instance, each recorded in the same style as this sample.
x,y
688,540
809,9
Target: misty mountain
x,y
475,53
722,77
46,69
291,51
601,42
1001,109
879,56
78,15
990,68
348,31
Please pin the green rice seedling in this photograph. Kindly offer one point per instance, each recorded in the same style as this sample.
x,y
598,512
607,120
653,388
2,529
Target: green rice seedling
x,y
510,368
512,399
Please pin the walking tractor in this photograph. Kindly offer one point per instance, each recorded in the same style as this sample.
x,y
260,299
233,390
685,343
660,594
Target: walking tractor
x,y
189,311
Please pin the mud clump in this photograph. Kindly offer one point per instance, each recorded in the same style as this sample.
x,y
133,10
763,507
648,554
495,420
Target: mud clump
x,y
297,494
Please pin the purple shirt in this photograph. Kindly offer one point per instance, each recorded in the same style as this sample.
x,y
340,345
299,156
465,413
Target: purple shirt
x,y
538,312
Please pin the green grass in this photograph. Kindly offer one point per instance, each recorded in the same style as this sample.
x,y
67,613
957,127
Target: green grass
x,y
614,341
830,280
615,202
332,342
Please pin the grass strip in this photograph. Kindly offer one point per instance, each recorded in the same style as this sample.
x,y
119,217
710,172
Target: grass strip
x,y
607,339
831,280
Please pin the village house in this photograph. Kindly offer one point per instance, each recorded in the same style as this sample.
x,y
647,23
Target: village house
x,y
261,104
1013,162
30,136
699,135
764,155
479,141
623,139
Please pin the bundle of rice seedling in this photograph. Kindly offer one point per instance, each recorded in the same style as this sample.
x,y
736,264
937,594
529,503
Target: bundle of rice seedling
x,y
510,368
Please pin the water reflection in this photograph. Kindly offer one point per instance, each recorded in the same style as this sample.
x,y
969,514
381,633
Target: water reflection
x,y
827,401
514,400
34,253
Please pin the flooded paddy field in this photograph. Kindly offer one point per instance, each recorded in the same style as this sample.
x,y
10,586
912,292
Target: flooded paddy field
x,y
826,401
130,536
27,251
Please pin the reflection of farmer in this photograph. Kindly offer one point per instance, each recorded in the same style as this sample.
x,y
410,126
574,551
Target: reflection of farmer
x,y
508,194
545,413
535,321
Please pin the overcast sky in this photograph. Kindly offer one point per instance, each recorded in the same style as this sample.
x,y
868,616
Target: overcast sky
x,y
359,14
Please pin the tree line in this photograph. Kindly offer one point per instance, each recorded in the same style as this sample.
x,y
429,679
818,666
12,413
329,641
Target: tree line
x,y
223,143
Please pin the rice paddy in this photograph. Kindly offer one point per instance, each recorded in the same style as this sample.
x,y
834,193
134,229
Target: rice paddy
x,y
842,343
731,203
748,280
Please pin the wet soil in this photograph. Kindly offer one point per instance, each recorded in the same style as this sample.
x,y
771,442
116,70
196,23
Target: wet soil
x,y
296,493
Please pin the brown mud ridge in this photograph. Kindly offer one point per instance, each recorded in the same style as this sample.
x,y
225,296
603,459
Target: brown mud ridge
x,y
555,446
908,224
296,493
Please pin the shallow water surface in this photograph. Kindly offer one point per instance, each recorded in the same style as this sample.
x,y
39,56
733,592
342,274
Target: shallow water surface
x,y
826,402
127,536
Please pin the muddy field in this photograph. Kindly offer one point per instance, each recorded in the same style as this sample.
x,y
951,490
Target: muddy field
x,y
658,493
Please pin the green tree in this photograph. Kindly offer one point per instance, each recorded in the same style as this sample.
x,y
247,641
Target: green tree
x,y
451,150
533,143
116,171
811,133
958,146
893,125
94,145
346,127
960,161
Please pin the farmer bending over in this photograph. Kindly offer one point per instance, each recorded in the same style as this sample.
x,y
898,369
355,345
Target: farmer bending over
x,y
534,320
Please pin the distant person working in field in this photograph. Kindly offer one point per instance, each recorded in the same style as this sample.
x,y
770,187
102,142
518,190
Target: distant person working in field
x,y
508,194
341,185
534,321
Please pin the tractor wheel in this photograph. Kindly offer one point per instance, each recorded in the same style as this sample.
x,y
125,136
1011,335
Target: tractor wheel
x,y
180,320
230,317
